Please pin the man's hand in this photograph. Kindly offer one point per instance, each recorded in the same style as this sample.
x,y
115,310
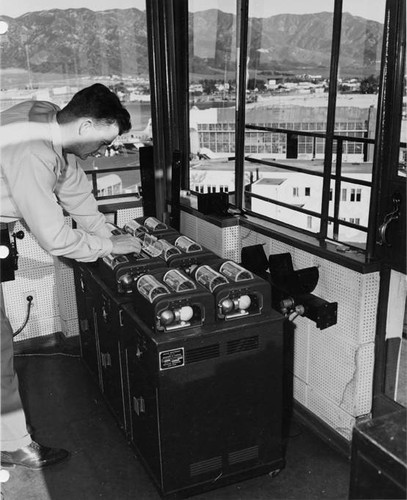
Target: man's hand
x,y
125,243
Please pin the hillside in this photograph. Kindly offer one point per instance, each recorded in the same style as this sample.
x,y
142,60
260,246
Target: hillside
x,y
77,40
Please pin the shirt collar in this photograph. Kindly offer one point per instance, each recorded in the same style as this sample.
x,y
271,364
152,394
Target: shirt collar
x,y
56,135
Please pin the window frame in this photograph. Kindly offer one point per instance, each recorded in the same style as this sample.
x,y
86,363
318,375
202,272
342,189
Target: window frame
x,y
335,143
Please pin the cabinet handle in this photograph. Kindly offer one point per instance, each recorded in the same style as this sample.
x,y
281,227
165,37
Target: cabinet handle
x,y
139,405
105,359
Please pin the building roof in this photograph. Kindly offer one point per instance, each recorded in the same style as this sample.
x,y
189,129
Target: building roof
x,y
270,181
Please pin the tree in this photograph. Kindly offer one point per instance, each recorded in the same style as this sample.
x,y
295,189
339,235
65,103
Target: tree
x,y
208,86
369,85
255,83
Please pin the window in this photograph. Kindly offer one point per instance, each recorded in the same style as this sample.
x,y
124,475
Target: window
x,y
212,66
355,195
51,54
289,126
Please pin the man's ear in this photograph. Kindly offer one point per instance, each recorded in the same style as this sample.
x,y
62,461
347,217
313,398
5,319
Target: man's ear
x,y
85,126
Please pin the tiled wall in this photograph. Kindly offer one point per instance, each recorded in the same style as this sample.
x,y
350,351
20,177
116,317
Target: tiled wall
x,y
50,281
333,368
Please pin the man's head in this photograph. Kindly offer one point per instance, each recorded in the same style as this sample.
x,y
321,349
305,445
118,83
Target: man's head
x,y
91,120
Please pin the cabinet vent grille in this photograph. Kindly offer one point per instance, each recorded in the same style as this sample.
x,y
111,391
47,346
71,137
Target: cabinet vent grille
x,y
202,353
209,465
244,344
243,455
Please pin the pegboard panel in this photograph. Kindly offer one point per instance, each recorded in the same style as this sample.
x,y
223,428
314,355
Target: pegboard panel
x,y
357,296
41,284
331,414
31,254
63,263
277,247
364,381
66,293
126,214
368,303
70,328
68,221
250,238
223,241
210,236
231,243
302,260
188,225
342,371
300,391
301,348
39,328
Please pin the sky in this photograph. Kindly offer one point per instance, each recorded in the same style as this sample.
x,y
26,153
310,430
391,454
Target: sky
x,y
370,9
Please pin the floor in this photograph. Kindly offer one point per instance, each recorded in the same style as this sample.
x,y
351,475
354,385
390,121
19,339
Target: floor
x,y
68,411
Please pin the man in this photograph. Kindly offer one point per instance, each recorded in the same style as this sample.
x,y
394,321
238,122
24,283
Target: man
x,y
40,178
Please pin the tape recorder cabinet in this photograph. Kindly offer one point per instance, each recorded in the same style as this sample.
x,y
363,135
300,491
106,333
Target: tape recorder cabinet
x,y
188,353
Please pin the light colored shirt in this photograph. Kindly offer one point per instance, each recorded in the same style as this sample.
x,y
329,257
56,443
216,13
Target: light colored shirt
x,y
38,182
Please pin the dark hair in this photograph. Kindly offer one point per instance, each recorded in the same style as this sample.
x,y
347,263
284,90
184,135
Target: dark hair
x,y
99,103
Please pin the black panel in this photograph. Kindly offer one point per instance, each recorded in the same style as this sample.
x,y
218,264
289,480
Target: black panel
x,y
147,180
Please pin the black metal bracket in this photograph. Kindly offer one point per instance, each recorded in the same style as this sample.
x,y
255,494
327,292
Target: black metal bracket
x,y
291,289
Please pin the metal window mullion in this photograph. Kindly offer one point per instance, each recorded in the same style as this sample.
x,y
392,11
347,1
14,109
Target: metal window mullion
x,y
338,174
388,122
283,204
241,51
171,94
330,127
156,63
358,182
289,168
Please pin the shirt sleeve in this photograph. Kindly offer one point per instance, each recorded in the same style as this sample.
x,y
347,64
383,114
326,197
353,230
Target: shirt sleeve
x,y
32,183
74,193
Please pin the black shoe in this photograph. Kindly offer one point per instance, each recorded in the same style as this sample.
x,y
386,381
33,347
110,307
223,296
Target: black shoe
x,y
34,456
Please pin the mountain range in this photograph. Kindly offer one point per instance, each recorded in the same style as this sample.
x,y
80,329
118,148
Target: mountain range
x,y
82,41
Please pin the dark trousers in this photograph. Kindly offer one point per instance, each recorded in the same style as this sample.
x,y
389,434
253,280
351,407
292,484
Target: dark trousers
x,y
14,432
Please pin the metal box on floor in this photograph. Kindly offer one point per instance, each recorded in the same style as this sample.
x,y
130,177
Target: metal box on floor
x,y
202,405
206,405
379,459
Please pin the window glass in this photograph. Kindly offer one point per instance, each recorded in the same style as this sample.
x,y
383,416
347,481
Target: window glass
x,y
289,60
289,47
356,109
49,54
212,94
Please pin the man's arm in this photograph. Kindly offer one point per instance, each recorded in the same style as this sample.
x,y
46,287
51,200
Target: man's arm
x,y
31,181
75,196
74,193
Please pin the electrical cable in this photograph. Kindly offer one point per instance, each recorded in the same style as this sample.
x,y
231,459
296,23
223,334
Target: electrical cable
x,y
30,299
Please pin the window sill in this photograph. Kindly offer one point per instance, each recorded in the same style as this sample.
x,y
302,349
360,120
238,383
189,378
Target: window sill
x,y
338,254
114,204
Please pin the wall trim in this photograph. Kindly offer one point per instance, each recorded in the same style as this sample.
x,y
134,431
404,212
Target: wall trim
x,y
54,343
337,253
322,430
